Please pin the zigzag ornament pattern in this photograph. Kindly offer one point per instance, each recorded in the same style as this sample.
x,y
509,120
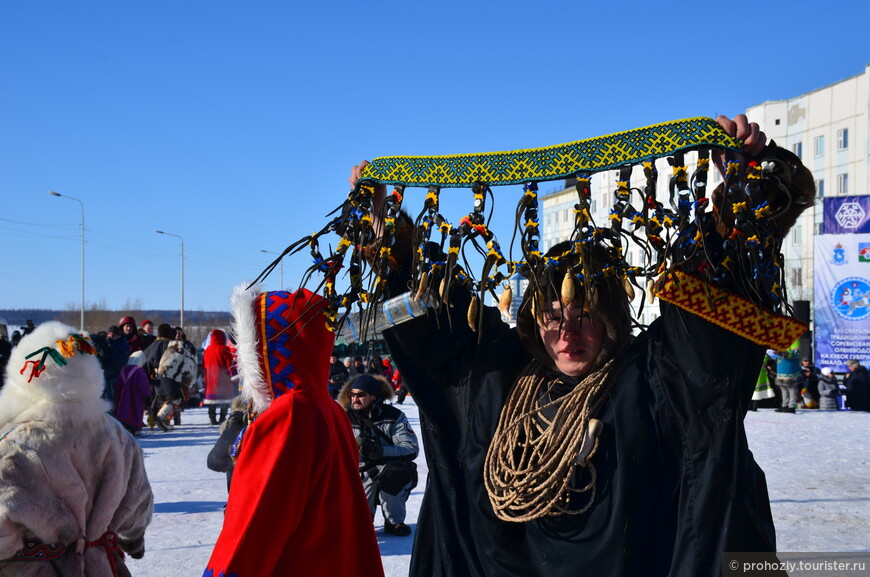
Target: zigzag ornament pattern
x,y
277,353
552,162
730,311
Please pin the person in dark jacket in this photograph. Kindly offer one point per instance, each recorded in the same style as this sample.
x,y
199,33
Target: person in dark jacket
x,y
857,383
388,447
338,374
127,325
567,446
114,351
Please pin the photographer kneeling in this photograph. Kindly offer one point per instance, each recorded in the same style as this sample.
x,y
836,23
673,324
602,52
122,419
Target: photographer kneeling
x,y
388,447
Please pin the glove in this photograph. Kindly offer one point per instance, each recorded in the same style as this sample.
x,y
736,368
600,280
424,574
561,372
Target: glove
x,y
370,449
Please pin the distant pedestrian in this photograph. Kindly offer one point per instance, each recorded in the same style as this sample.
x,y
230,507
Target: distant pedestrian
x,y
788,374
219,368
829,390
128,327
857,383
114,350
338,374
146,332
132,389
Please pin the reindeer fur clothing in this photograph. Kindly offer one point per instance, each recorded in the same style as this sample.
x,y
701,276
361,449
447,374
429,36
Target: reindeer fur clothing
x,y
69,473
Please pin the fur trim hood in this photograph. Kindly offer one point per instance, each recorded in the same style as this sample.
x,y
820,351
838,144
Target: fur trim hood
x,y
61,390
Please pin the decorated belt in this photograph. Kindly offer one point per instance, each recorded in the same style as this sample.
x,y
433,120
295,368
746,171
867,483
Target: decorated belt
x,y
36,550
552,162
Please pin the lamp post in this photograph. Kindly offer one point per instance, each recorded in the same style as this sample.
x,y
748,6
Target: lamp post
x,y
178,236
82,206
280,264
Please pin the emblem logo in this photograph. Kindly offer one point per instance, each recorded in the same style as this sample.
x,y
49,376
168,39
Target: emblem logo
x,y
851,298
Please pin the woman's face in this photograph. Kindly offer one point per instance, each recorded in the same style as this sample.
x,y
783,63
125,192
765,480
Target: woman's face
x,y
572,338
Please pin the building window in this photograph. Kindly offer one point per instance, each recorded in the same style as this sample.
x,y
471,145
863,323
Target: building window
x,y
843,139
592,207
797,276
820,188
796,235
798,149
820,228
843,184
820,145
776,122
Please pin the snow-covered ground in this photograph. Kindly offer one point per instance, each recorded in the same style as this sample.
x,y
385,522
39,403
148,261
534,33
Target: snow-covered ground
x,y
817,465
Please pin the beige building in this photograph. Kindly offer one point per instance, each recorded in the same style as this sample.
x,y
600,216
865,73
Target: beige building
x,y
828,129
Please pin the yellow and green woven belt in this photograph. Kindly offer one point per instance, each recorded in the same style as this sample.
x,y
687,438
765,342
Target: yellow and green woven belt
x,y
552,162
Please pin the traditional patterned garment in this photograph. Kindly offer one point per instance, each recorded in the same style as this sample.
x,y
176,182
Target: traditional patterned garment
x,y
73,490
296,504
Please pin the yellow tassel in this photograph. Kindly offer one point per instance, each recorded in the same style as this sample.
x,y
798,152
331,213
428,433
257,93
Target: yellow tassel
x,y
473,308
629,289
505,300
567,290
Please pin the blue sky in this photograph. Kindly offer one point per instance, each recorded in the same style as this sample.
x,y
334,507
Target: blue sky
x,y
235,124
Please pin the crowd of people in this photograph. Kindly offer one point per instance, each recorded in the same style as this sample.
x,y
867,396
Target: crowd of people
x,y
802,385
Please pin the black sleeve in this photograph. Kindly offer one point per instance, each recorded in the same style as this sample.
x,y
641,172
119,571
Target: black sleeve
x,y
219,457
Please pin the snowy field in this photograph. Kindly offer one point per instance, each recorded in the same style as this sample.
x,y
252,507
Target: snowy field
x,y
817,465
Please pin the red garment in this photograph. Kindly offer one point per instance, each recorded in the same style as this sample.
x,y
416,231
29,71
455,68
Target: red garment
x,y
219,369
296,504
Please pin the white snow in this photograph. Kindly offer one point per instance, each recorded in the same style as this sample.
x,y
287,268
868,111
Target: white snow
x,y
816,464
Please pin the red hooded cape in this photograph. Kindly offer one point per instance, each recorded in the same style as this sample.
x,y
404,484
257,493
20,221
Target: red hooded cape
x,y
296,505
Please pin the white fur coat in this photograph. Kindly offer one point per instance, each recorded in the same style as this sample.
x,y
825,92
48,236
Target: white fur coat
x,y
68,472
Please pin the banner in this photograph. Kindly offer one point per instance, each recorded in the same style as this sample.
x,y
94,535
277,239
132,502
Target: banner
x,y
847,214
842,299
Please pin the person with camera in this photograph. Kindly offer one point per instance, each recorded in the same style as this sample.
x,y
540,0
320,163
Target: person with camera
x,y
388,447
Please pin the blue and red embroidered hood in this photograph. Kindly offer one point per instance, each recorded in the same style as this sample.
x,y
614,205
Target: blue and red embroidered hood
x,y
283,343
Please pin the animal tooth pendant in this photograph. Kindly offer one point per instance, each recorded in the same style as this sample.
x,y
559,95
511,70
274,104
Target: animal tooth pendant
x,y
505,299
567,292
422,286
629,289
651,291
473,309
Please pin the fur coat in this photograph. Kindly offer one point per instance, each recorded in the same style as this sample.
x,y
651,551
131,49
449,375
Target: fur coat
x,y
70,475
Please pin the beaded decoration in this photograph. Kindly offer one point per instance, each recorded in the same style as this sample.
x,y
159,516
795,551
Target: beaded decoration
x,y
734,245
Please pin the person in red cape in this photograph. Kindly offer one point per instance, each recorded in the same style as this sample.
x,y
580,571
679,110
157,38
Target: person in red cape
x,y
296,505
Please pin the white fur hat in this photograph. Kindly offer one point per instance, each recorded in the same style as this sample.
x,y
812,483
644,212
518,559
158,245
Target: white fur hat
x,y
54,375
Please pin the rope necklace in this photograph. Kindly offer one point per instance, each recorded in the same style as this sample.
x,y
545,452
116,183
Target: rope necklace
x,y
531,462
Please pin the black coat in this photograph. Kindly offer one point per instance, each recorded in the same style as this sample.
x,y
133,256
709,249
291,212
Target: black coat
x,y
858,389
677,485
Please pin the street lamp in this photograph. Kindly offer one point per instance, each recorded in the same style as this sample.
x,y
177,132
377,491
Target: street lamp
x,y
280,264
82,206
178,236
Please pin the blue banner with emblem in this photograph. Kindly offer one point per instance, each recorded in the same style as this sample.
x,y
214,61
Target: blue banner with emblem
x,y
842,299
847,214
